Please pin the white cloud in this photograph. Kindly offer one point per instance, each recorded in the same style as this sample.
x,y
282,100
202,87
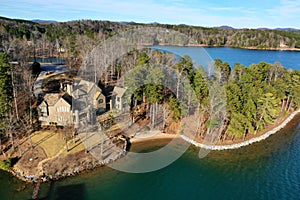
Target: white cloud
x,y
286,9
286,14
227,8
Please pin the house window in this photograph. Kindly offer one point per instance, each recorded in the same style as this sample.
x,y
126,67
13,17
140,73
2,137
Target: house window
x,y
62,109
118,99
62,119
59,118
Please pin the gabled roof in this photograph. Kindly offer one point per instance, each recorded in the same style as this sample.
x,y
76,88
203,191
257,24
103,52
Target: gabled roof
x,y
97,94
51,99
67,98
119,91
84,87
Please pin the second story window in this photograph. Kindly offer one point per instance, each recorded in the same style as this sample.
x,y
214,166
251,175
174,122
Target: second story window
x,y
62,109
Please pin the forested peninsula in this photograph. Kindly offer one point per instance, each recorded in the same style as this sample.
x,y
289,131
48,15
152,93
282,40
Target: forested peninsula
x,y
258,97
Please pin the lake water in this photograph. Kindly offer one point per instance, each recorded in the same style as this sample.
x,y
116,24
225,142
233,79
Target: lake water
x,y
53,60
288,59
265,170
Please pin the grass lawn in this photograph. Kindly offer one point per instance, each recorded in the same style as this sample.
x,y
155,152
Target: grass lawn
x,y
73,148
50,141
53,143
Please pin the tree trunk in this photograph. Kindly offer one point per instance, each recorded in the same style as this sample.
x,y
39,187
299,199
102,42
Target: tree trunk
x,y
20,150
164,118
189,102
101,149
291,101
153,115
12,140
30,103
156,112
232,138
66,140
282,105
245,133
287,103
73,135
15,95
258,124
177,89
30,141
178,85
1,147
86,150
224,136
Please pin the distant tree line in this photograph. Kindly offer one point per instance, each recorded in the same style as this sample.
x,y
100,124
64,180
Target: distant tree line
x,y
74,39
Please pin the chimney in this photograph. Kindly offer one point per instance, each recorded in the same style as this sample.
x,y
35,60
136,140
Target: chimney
x,y
76,119
62,86
69,88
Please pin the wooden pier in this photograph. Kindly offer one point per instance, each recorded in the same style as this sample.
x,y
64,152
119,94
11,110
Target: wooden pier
x,y
36,189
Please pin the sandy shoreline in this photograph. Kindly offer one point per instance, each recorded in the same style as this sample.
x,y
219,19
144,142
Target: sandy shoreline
x,y
161,136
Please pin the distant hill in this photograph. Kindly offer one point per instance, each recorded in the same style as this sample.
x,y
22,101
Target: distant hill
x,y
224,27
288,29
281,29
264,29
43,21
261,38
154,23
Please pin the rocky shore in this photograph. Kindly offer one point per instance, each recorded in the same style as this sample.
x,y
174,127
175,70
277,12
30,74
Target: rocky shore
x,y
73,166
245,143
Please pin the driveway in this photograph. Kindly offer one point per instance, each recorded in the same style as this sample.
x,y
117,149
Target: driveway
x,y
46,69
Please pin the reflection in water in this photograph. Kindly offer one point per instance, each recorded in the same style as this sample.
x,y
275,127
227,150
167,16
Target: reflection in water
x,y
72,192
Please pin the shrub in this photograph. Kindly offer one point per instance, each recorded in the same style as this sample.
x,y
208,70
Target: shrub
x,y
146,128
36,68
5,164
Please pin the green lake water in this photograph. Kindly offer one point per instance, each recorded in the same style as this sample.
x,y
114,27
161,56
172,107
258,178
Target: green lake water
x,y
265,170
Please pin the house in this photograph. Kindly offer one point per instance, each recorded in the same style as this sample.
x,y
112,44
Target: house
x,y
282,45
118,98
88,93
55,109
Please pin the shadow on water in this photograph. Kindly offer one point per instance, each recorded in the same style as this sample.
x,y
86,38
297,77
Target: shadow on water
x,y
72,192
50,192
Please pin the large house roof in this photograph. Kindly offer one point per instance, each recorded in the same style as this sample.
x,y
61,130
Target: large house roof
x,y
119,91
52,98
67,98
83,87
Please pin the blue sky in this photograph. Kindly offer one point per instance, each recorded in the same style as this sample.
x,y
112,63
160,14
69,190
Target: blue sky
x,y
236,13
